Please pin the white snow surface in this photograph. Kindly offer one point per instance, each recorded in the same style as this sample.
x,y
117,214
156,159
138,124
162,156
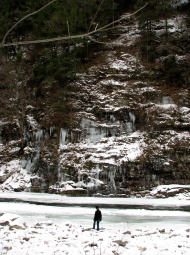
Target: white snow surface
x,y
38,229
176,3
55,198
176,24
32,122
15,176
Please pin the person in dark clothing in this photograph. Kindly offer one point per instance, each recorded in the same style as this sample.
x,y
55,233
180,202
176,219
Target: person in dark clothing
x,y
97,217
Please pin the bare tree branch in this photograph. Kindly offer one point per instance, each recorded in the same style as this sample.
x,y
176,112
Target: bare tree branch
x,y
25,18
68,28
116,21
66,37
95,15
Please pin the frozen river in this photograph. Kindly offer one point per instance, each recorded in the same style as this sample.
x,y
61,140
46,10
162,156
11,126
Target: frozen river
x,y
38,207
63,225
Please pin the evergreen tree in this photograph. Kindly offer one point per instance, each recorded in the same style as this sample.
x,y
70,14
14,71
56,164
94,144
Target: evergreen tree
x,y
155,10
147,15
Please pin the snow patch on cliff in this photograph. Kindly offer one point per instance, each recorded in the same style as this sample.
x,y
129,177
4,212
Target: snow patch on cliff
x,y
14,177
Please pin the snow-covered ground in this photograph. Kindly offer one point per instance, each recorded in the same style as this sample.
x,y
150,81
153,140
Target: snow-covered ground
x,y
29,228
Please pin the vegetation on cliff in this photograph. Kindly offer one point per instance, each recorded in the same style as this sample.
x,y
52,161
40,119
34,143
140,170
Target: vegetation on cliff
x,y
117,81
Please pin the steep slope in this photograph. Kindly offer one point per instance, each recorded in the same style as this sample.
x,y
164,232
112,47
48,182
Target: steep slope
x,y
127,130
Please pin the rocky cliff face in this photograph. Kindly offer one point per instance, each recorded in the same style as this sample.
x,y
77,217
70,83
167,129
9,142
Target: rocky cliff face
x,y
128,130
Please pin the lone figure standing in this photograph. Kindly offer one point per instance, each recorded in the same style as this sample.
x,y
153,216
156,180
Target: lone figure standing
x,y
97,217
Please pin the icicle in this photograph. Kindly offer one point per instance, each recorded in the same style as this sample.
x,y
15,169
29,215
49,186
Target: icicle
x,y
132,118
128,128
30,163
120,169
154,177
63,135
60,176
97,171
112,118
79,176
91,132
38,135
72,136
51,130
112,178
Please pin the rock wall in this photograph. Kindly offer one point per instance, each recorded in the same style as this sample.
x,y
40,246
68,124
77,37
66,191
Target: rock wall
x,y
128,132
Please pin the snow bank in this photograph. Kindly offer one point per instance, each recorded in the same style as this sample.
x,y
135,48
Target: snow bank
x,y
48,238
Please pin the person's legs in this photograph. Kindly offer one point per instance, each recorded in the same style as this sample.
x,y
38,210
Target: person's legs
x,y
98,225
94,224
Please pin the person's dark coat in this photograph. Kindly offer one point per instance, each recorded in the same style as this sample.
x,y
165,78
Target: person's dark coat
x,y
98,215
